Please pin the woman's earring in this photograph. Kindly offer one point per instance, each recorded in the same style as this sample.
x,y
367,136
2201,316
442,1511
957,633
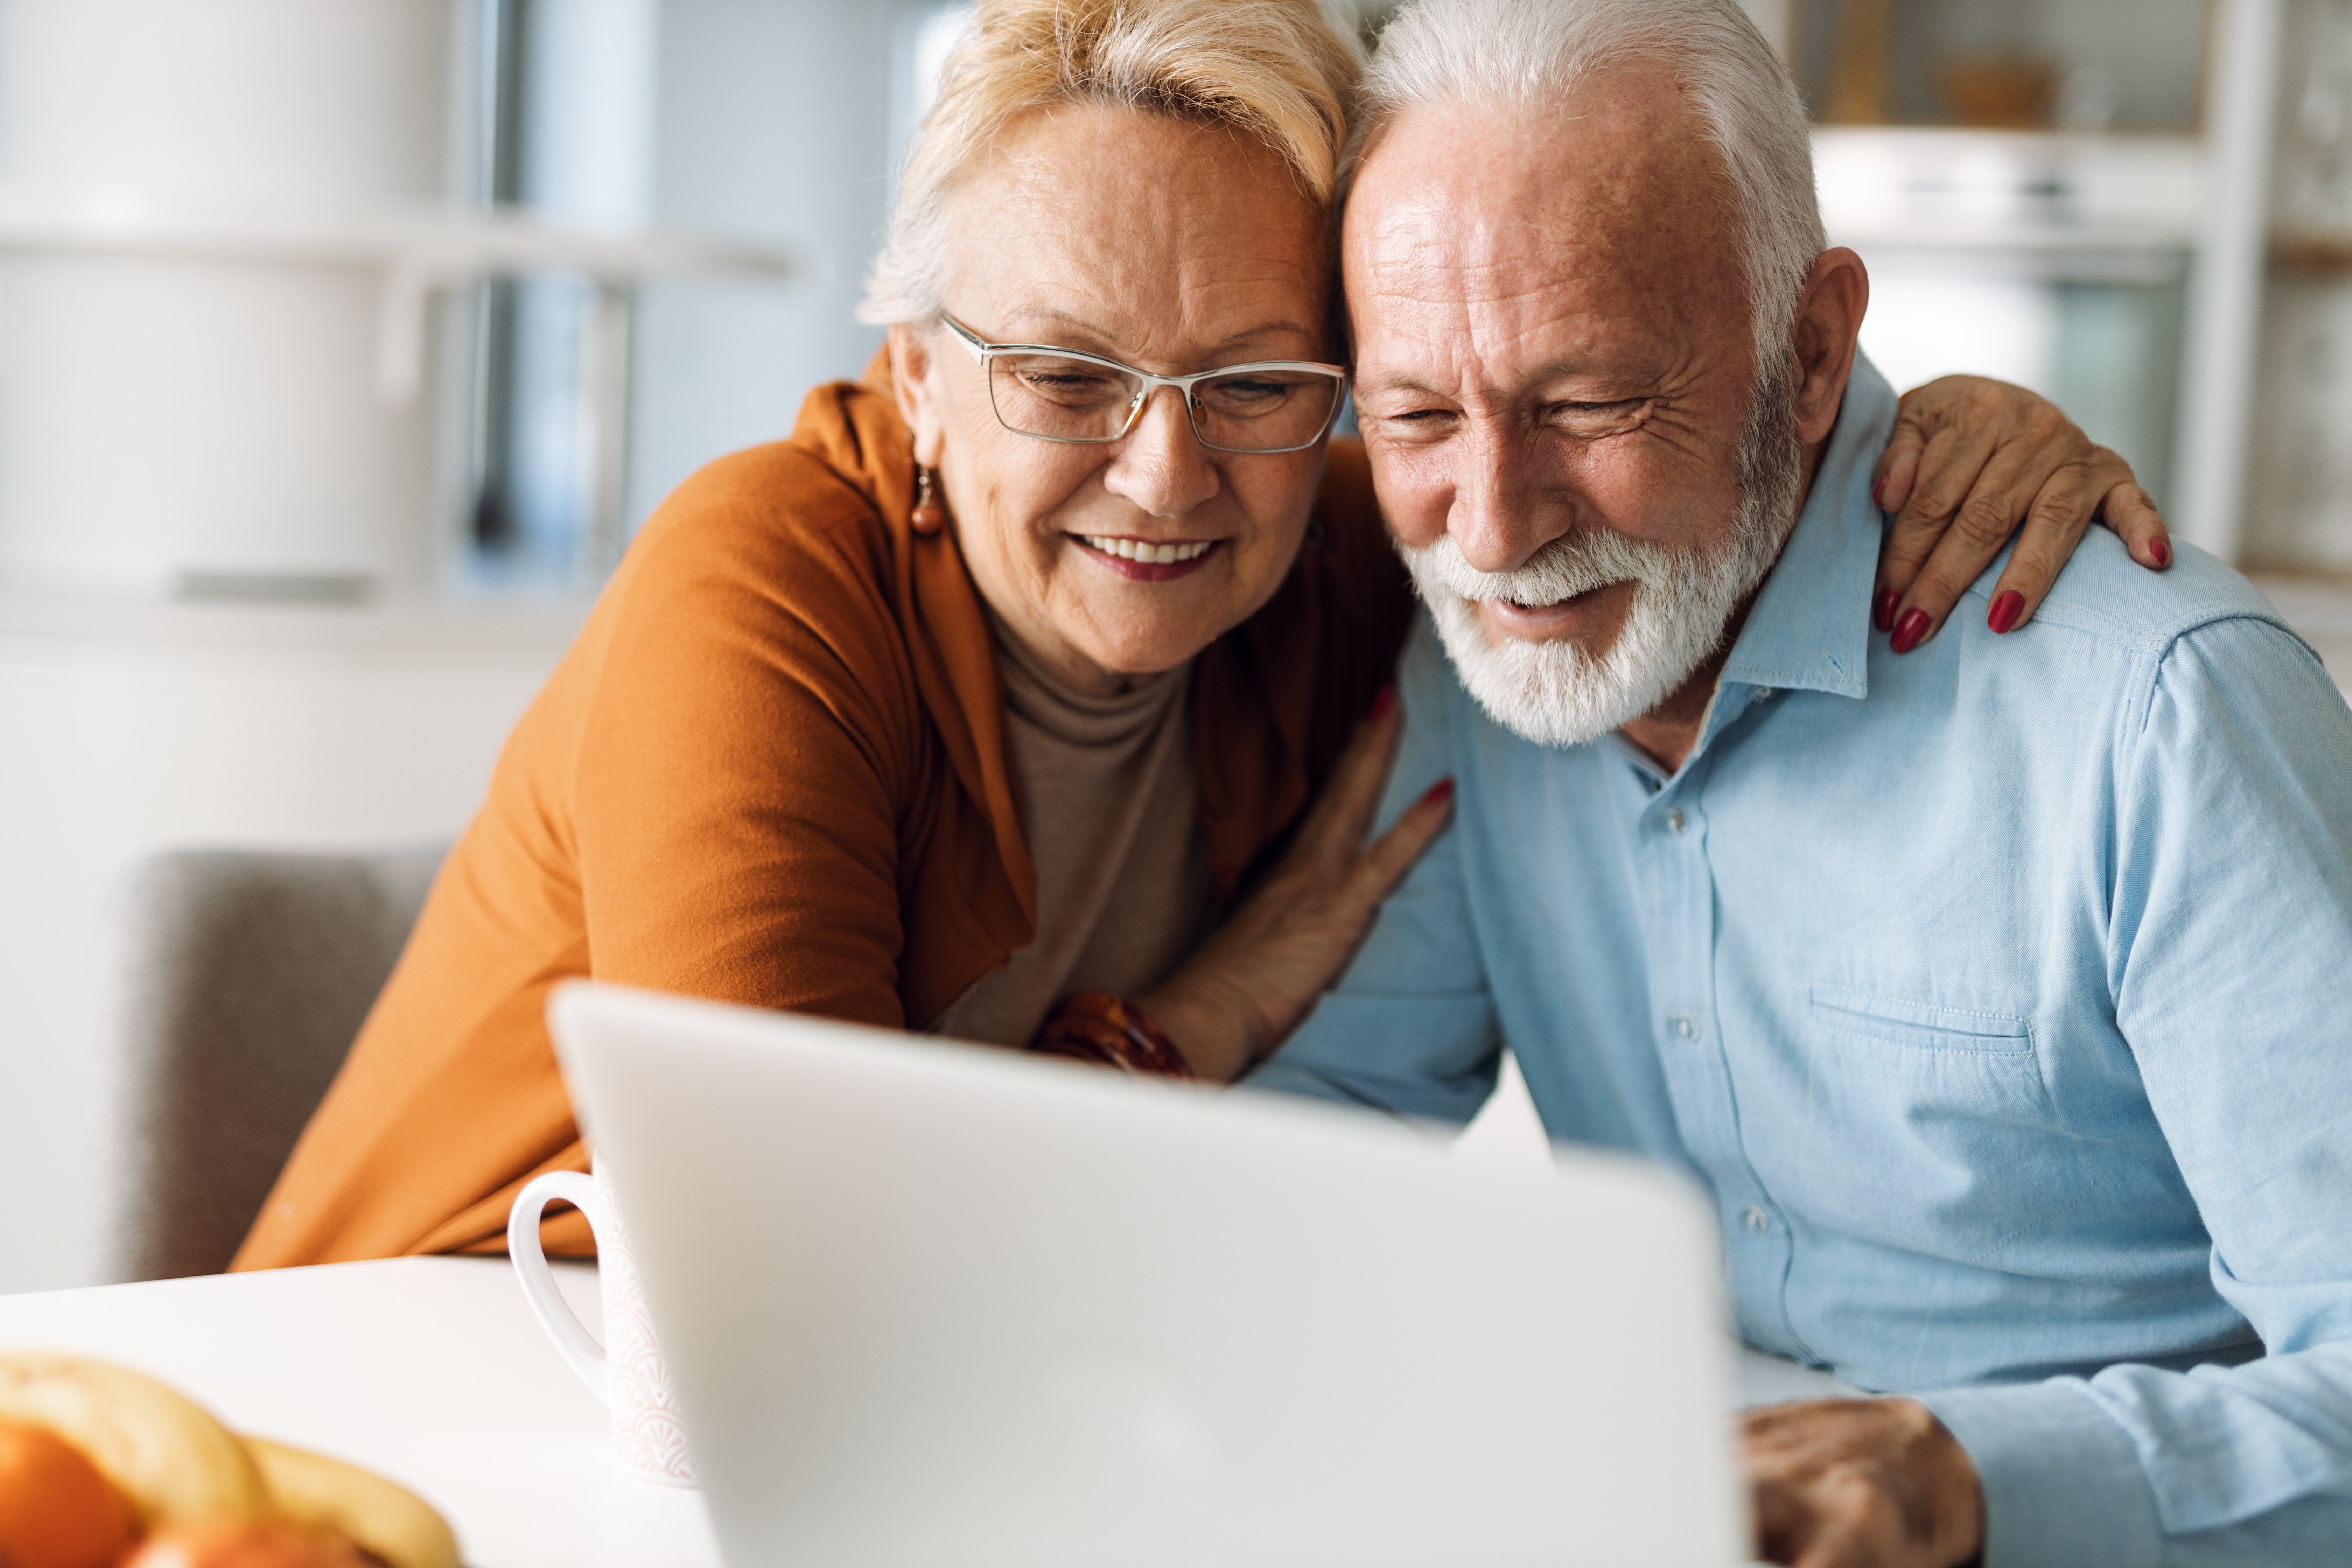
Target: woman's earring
x,y
928,516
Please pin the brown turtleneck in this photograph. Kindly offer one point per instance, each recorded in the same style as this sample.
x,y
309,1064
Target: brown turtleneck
x,y
1111,802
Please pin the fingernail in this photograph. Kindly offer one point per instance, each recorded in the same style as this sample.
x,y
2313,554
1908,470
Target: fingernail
x,y
2162,550
1910,629
1382,703
2006,609
1878,492
1441,790
1881,614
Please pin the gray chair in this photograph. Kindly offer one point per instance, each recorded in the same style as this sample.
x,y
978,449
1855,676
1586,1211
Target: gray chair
x,y
244,978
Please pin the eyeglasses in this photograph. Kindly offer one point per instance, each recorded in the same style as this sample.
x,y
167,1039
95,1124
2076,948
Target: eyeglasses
x,y
1061,394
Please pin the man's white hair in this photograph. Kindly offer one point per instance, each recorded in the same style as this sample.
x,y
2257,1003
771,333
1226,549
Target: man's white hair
x,y
1531,57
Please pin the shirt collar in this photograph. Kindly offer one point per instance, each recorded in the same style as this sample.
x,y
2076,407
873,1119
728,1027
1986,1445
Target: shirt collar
x,y
1810,628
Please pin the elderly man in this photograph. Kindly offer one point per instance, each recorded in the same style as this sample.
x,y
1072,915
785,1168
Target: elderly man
x,y
1994,991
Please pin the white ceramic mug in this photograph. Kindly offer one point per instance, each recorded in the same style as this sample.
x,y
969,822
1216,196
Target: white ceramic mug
x,y
626,1372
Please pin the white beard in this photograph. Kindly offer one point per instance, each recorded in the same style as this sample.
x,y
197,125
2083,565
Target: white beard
x,y
1559,694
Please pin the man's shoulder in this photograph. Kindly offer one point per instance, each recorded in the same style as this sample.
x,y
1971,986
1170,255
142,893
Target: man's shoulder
x,y
2196,646
2107,597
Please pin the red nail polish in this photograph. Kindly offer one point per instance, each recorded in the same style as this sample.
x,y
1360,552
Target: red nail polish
x,y
2006,609
1881,614
1910,629
1382,703
2162,550
1441,790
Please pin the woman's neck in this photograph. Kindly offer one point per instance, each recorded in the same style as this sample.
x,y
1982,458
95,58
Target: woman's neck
x,y
1064,667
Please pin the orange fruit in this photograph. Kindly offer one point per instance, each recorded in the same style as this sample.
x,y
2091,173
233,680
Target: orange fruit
x,y
56,1509
245,1543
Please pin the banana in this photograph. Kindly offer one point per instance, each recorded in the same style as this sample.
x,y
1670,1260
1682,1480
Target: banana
x,y
178,1464
173,1461
388,1520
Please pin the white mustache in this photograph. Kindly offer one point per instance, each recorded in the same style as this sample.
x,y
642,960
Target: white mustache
x,y
1572,564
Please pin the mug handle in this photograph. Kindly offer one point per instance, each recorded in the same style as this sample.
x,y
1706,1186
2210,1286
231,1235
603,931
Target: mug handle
x,y
580,1348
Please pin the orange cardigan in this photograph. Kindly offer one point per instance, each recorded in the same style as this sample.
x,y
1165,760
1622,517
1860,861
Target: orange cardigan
x,y
772,771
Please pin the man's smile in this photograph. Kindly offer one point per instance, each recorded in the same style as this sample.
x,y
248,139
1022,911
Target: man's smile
x,y
1582,617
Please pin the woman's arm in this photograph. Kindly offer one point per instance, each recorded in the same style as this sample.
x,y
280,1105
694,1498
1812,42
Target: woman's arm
x,y
1970,460
741,774
1237,997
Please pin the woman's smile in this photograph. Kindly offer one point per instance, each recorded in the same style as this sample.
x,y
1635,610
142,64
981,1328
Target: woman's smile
x,y
1146,559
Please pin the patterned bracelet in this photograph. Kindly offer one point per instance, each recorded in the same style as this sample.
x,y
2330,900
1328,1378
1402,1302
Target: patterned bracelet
x,y
1109,1031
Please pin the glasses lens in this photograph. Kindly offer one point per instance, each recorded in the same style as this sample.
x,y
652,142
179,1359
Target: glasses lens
x,y
1264,410
1060,399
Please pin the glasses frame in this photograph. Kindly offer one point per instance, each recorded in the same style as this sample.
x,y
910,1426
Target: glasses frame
x,y
982,352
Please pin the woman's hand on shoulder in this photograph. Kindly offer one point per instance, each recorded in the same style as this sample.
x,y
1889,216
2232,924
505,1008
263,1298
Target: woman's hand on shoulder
x,y
1970,460
1256,977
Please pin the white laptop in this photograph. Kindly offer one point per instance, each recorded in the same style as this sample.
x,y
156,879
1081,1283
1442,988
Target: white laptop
x,y
930,1306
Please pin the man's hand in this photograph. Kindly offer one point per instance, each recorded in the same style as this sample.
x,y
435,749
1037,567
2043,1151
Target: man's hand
x,y
1862,1483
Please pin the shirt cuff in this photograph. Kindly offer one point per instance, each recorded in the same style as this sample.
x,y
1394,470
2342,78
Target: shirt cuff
x,y
2062,1483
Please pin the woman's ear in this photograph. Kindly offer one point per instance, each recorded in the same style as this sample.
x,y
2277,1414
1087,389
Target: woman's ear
x,y
911,362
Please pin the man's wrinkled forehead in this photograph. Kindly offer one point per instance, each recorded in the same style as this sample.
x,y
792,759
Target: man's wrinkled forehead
x,y
1615,201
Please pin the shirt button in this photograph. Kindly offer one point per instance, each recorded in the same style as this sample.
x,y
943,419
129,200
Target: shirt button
x,y
1685,1026
1756,1219
1674,819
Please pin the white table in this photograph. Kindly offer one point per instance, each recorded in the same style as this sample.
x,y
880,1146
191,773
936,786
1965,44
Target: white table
x,y
432,1371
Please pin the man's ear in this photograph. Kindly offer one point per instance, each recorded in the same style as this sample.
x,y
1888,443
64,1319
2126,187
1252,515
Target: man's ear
x,y
911,365
1829,325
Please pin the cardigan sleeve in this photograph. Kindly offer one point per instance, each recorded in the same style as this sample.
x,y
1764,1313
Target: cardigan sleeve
x,y
743,768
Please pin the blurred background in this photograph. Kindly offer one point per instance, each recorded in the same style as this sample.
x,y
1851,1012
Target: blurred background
x,y
344,347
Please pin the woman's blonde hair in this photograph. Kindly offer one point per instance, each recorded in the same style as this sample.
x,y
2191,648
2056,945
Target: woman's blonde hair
x,y
1283,71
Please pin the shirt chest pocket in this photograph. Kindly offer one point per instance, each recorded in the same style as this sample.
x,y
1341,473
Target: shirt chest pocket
x,y
1929,1126
1920,1027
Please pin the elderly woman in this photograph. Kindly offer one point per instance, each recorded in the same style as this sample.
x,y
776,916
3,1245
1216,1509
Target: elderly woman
x,y
994,700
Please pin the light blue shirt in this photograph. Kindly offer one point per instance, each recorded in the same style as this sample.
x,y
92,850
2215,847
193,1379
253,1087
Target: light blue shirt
x,y
2000,994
